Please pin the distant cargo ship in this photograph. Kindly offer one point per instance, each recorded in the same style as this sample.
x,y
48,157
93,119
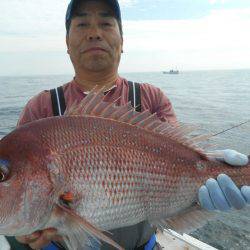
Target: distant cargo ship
x,y
173,72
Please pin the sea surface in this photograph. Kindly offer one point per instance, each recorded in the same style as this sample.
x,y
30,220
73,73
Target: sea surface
x,y
212,101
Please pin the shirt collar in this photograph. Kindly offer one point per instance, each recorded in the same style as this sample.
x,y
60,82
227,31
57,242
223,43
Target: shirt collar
x,y
105,92
81,88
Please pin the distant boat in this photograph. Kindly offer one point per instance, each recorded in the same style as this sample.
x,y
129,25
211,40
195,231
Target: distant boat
x,y
172,72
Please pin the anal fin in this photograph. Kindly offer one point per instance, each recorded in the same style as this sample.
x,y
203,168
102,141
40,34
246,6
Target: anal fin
x,y
187,221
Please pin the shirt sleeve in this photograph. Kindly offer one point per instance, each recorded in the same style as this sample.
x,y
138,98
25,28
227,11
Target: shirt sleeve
x,y
156,101
37,107
164,109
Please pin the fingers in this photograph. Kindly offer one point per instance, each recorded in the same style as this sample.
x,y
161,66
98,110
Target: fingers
x,y
205,199
245,190
232,193
223,194
27,239
217,196
39,239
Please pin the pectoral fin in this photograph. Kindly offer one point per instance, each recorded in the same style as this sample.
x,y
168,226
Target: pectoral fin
x,y
77,232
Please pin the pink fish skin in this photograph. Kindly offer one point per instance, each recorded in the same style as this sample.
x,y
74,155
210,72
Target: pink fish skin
x,y
116,174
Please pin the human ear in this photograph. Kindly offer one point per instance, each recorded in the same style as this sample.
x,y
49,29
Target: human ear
x,y
67,42
122,46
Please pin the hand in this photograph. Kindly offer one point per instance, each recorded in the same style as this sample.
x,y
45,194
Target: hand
x,y
40,239
223,194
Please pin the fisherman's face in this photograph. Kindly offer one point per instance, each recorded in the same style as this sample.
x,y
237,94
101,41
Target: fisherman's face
x,y
94,40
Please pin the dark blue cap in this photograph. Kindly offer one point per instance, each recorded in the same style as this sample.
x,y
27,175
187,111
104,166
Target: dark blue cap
x,y
114,5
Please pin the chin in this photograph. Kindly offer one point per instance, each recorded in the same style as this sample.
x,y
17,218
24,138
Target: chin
x,y
98,65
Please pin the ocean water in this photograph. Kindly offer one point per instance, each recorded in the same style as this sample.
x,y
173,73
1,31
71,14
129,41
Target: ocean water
x,y
211,100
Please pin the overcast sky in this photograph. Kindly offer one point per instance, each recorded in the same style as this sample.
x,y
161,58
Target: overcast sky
x,y
158,35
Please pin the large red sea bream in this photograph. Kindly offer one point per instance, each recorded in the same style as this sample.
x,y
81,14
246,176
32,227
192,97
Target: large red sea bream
x,y
102,167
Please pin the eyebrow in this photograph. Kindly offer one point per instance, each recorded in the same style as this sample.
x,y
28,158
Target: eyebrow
x,y
102,14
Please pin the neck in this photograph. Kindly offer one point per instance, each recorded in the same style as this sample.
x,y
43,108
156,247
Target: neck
x,y
98,79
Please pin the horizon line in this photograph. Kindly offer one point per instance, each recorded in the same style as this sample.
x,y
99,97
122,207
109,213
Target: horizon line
x,y
124,72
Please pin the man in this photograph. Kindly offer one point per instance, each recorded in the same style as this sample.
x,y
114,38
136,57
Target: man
x,y
95,41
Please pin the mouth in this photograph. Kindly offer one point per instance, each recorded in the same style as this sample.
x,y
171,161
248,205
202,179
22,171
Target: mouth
x,y
94,49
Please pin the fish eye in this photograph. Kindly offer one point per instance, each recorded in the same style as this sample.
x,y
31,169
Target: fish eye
x,y
4,170
2,176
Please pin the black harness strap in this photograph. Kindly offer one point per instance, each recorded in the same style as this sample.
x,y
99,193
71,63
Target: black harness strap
x,y
134,95
58,101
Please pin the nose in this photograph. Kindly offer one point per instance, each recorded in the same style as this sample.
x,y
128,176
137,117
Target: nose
x,y
98,38
94,37
94,34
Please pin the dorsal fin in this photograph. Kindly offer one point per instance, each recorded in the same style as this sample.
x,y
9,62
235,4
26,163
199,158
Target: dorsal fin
x,y
94,105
